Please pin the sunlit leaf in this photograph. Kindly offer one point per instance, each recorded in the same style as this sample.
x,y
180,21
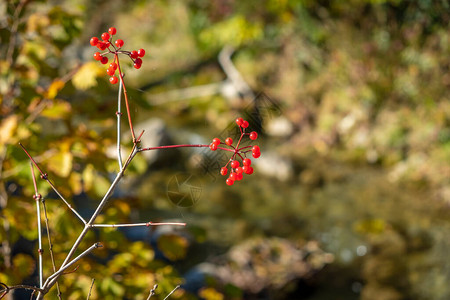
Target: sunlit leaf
x,y
59,109
61,164
54,88
210,294
7,128
86,77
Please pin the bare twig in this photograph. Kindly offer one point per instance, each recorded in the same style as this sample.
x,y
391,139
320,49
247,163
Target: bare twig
x,y
119,131
38,197
152,291
14,27
55,275
6,289
176,288
130,122
90,289
45,177
50,244
138,224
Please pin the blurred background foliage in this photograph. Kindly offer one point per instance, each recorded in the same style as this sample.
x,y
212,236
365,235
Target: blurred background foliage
x,y
358,160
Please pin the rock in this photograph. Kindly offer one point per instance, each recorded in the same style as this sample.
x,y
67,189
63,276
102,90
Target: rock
x,y
263,263
273,165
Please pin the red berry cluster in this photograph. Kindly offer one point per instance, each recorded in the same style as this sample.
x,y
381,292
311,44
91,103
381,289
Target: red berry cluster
x,y
105,43
237,170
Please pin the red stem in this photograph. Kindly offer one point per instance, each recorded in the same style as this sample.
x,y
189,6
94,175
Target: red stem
x,y
126,99
183,146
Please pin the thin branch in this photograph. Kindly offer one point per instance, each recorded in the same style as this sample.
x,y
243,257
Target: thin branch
x,y
45,177
126,99
183,146
137,224
152,291
90,289
38,197
6,289
62,269
13,32
50,244
176,288
119,131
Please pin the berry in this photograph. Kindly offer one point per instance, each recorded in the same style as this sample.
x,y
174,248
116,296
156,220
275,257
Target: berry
x,y
134,54
223,171
244,124
113,65
141,52
94,41
256,154
112,30
247,162
104,60
253,135
229,181
213,147
110,71
119,43
105,36
256,149
233,176
239,176
229,141
113,79
247,170
216,141
97,56
101,45
234,164
137,63
239,170
239,121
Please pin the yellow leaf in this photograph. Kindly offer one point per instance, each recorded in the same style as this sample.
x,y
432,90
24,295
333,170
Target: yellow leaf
x,y
61,164
86,76
59,109
210,294
23,265
54,88
88,177
7,128
75,183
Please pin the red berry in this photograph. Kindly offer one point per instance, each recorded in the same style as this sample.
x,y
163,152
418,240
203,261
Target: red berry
x,y
239,121
223,171
134,54
239,176
113,79
229,181
94,41
244,124
110,71
119,43
105,36
104,60
239,170
97,56
253,135
256,149
137,63
141,52
112,30
107,44
101,45
256,154
233,176
113,65
247,162
213,147
234,164
229,141
216,141
247,170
